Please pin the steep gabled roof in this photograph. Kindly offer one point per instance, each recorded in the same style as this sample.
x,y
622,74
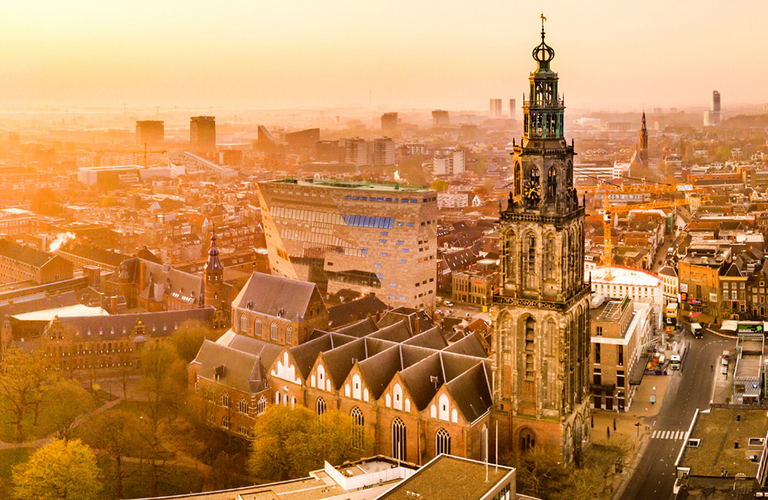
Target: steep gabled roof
x,y
306,354
355,310
432,339
235,369
397,332
472,392
276,296
469,346
360,329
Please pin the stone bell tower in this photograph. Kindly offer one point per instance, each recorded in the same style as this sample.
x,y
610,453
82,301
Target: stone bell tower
x,y
540,350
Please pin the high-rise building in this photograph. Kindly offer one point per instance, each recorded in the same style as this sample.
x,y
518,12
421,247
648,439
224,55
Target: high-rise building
x,y
512,109
643,145
448,162
383,152
541,341
355,151
370,238
150,133
495,108
440,117
202,134
389,123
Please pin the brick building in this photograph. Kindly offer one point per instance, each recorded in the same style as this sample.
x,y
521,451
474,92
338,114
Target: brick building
x,y
20,263
410,394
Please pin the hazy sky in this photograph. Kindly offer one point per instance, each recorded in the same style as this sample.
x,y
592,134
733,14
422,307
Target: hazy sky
x,y
425,54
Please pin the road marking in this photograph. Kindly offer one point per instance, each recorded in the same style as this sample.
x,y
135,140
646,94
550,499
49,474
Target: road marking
x,y
673,435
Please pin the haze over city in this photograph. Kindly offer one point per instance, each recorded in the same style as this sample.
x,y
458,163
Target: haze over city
x,y
308,54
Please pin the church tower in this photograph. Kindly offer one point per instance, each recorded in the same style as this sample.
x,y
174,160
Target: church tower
x,y
213,273
540,351
644,142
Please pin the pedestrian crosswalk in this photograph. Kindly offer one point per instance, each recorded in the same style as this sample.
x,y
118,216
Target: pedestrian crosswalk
x,y
673,435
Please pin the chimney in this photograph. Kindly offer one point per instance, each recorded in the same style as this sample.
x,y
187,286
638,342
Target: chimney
x,y
416,324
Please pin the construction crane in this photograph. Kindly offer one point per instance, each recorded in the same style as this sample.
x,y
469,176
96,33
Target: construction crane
x,y
607,211
692,197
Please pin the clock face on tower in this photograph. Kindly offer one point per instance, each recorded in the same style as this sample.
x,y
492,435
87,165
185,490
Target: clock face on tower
x,y
532,192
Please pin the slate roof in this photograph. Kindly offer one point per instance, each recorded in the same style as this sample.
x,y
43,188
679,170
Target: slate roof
x,y
471,391
432,339
238,370
269,294
469,346
397,332
157,324
355,310
360,329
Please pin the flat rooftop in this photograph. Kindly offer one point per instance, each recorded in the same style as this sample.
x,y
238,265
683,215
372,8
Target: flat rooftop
x,y
341,184
617,275
748,366
76,311
450,477
718,430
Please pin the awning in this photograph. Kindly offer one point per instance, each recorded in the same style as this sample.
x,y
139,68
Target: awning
x,y
729,326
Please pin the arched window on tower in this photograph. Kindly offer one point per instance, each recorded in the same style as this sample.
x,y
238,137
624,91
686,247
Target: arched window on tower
x,y
442,442
527,440
399,440
549,258
530,335
519,177
535,175
358,427
530,262
552,183
510,254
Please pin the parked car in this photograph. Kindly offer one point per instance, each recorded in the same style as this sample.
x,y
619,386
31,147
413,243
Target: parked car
x,y
447,303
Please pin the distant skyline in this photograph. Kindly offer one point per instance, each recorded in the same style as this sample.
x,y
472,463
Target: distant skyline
x,y
310,54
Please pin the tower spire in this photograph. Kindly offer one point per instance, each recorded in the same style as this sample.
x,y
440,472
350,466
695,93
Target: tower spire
x,y
543,18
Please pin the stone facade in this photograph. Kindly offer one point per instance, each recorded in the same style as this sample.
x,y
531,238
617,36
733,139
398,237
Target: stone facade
x,y
540,350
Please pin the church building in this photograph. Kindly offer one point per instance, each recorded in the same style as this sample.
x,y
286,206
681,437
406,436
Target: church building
x,y
540,351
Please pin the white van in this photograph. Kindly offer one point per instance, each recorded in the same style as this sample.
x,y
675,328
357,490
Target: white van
x,y
674,362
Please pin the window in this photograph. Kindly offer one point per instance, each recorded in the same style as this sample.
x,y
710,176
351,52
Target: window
x,y
243,406
527,440
288,335
599,331
261,406
320,406
358,428
243,324
225,400
620,378
274,330
529,351
597,354
257,327
225,422
621,355
399,440
442,442
597,377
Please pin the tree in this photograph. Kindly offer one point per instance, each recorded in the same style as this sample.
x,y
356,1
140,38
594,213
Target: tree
x,y
163,385
23,380
438,185
113,433
723,154
66,402
46,202
189,337
58,470
290,442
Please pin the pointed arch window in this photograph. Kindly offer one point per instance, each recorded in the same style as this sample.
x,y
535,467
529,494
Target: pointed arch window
x,y
442,442
274,330
243,323
530,335
552,183
261,406
519,175
530,262
399,440
527,440
257,327
549,258
510,256
243,406
288,335
320,406
358,426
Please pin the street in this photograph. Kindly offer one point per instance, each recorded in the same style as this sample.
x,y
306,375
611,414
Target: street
x,y
688,389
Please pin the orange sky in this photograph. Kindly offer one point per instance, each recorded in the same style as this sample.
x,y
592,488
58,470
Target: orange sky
x,y
418,54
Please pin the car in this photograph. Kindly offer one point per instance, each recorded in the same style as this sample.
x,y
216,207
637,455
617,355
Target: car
x,y
449,304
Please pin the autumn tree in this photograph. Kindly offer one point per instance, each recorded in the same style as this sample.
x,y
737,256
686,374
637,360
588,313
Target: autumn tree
x,y
67,401
290,442
58,470
163,385
189,337
438,185
114,434
24,378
